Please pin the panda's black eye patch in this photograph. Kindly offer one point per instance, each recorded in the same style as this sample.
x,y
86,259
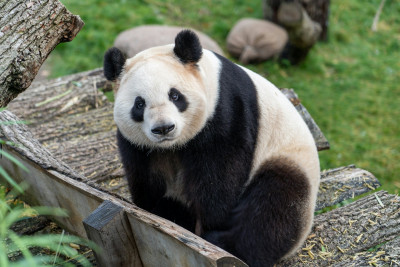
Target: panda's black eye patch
x,y
138,109
178,99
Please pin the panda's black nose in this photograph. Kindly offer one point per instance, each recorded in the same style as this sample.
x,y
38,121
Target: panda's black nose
x,y
163,129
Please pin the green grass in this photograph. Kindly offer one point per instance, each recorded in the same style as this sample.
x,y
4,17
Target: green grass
x,y
350,85
17,250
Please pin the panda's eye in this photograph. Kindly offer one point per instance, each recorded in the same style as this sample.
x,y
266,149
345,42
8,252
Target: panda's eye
x,y
174,96
179,99
139,103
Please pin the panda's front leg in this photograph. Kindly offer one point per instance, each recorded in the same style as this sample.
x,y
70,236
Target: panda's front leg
x,y
213,184
146,189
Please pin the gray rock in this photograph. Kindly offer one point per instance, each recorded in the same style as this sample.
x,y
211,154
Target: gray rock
x,y
255,40
137,39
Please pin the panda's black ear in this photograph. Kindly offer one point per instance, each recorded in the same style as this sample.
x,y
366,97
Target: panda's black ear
x,y
187,47
114,62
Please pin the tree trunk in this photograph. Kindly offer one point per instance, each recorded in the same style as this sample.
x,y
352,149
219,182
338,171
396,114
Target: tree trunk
x,y
29,31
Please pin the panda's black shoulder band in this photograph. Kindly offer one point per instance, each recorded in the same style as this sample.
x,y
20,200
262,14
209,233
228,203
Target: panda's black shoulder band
x,y
114,62
187,47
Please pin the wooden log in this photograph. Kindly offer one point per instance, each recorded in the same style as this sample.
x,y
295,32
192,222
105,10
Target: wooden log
x,y
344,183
319,138
18,133
342,233
29,31
30,225
386,255
77,126
107,227
48,100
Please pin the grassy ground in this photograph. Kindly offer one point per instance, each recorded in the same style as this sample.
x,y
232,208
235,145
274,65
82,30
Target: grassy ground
x,y
350,85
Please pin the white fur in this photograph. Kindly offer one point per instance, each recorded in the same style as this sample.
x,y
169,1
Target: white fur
x,y
145,76
283,133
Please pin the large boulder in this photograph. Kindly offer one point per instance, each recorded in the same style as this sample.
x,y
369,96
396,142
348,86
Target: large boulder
x,y
255,40
137,39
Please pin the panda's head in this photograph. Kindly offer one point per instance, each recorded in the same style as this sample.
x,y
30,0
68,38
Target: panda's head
x,y
161,101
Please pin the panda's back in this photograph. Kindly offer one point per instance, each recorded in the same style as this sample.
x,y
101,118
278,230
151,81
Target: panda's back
x,y
282,132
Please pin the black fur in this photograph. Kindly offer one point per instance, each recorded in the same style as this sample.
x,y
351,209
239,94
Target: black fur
x,y
218,160
181,103
187,47
264,226
148,186
114,62
137,110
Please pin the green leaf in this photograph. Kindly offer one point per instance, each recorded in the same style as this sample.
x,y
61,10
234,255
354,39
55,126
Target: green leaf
x,y
20,243
13,159
10,180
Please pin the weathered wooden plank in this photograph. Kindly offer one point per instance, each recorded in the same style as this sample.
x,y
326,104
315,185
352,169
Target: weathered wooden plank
x,y
162,243
344,183
30,30
319,138
50,188
346,231
109,228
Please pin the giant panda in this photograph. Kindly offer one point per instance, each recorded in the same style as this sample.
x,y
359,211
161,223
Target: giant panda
x,y
215,148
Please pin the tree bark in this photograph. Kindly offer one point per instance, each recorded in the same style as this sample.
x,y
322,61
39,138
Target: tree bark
x,y
29,31
346,233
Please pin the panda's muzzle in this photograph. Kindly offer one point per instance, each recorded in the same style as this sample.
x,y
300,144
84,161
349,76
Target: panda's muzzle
x,y
163,129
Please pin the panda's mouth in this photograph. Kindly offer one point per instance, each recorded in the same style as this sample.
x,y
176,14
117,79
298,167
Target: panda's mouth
x,y
164,139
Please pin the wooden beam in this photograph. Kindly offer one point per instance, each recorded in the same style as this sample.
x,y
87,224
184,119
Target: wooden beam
x,y
174,245
109,228
319,138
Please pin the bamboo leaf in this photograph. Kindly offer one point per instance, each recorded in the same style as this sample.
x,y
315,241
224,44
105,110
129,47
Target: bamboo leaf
x,y
3,254
51,99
